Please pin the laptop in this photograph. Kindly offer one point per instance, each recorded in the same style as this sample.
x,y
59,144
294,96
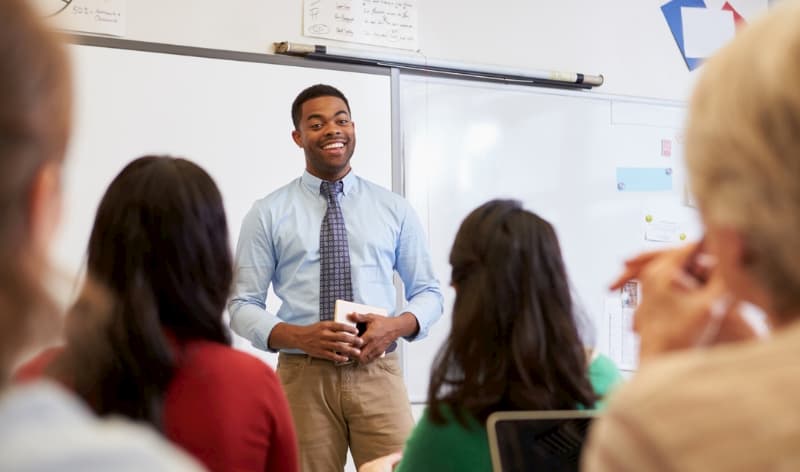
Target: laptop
x,y
538,440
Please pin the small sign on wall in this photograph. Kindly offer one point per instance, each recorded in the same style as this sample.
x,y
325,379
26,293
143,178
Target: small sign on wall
x,y
86,16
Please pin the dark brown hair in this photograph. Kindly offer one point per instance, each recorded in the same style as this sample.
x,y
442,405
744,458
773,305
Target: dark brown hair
x,y
160,247
513,344
35,112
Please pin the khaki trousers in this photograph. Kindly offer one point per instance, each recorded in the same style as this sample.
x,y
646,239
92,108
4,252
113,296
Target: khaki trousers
x,y
364,407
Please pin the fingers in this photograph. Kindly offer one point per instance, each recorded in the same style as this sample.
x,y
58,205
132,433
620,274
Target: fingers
x,y
370,353
634,268
331,356
336,326
360,317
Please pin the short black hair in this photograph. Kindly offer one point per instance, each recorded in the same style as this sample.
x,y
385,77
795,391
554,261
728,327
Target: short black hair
x,y
315,91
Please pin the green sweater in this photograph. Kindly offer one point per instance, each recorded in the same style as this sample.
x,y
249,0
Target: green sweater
x,y
451,447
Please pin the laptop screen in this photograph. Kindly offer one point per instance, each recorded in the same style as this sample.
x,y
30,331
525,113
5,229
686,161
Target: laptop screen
x,y
538,440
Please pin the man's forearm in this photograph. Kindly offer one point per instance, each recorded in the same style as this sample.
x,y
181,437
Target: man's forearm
x,y
283,336
406,325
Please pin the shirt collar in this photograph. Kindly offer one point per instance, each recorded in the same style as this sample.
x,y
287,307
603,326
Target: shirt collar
x,y
313,183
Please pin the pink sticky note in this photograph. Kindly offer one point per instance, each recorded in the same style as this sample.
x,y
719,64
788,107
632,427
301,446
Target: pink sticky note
x,y
666,147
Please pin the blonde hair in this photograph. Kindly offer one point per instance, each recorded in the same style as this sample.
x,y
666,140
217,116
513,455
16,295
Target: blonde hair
x,y
743,148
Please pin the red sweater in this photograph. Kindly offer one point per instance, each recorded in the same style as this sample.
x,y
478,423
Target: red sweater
x,y
225,407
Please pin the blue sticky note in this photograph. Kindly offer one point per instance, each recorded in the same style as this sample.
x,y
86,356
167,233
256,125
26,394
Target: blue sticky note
x,y
672,13
644,179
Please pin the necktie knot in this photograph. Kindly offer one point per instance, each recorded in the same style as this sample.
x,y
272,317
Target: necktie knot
x,y
331,189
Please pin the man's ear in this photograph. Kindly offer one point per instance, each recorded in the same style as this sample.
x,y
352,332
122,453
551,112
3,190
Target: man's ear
x,y
45,203
297,138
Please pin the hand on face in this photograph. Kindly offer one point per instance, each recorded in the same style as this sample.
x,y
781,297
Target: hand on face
x,y
678,312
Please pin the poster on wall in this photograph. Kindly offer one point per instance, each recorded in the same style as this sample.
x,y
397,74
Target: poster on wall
x,y
387,23
701,27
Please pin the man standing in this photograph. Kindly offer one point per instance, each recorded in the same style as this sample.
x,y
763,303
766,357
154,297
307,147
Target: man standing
x,y
325,236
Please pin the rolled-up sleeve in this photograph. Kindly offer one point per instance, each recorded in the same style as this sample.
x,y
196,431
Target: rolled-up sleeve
x,y
255,266
415,268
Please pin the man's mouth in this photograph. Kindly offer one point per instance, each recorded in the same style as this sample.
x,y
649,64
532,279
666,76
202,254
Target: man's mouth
x,y
335,145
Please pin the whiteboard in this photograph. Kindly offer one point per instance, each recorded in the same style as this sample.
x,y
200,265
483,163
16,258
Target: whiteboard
x,y
466,142
231,117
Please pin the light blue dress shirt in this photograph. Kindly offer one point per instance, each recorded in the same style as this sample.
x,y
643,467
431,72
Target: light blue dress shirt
x,y
279,244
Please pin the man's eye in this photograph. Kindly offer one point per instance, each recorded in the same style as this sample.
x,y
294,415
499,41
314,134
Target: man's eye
x,y
344,122
316,126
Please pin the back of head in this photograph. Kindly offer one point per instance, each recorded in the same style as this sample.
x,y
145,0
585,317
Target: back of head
x,y
160,246
34,127
743,148
513,344
161,228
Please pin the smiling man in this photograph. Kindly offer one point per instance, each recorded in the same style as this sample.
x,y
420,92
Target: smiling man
x,y
325,236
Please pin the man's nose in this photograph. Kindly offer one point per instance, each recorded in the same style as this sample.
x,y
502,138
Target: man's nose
x,y
332,129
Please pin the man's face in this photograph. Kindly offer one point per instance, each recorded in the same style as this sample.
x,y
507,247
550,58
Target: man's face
x,y
327,137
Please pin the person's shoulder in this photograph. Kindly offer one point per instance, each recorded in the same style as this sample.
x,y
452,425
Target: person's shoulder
x,y
372,188
722,393
280,195
384,197
715,378
44,427
447,446
223,360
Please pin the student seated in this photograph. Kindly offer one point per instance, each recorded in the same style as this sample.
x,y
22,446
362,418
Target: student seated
x,y
731,406
160,247
42,426
513,344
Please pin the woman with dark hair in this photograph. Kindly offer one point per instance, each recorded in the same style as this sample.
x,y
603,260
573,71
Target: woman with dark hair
x,y
513,344
42,426
160,247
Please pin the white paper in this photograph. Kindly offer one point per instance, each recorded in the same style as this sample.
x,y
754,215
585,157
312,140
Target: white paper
x,y
343,308
706,30
630,342
661,231
623,343
389,23
93,16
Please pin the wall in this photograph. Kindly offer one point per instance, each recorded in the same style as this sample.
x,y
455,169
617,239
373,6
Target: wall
x,y
627,41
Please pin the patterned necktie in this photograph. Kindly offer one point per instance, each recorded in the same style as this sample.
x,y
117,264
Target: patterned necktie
x,y
334,254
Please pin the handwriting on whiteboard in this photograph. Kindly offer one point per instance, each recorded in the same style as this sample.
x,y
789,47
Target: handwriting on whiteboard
x,y
389,23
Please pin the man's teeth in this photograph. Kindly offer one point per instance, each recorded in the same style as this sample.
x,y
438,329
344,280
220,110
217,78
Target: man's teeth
x,y
333,146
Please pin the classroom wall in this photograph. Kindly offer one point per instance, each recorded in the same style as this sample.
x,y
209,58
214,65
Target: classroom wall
x,y
627,41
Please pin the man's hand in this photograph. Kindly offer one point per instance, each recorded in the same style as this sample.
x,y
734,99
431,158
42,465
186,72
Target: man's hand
x,y
381,332
330,340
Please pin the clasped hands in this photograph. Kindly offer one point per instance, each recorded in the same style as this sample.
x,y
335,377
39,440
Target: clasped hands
x,y
340,342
